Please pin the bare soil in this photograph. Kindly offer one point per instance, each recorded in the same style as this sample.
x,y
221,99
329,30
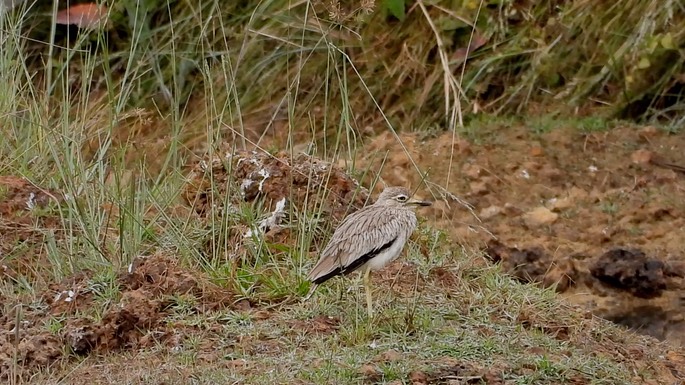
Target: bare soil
x,y
599,215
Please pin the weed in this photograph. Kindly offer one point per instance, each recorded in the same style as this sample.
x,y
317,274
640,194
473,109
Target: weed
x,y
54,325
607,207
105,288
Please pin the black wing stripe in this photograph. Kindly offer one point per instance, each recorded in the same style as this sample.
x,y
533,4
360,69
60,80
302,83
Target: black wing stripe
x,y
340,270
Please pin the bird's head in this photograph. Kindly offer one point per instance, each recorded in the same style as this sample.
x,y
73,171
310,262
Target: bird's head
x,y
399,197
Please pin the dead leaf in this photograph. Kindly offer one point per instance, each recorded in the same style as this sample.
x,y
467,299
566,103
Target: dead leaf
x,y
460,54
86,16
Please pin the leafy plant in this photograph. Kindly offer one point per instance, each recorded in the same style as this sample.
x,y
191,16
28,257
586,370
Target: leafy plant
x,y
395,8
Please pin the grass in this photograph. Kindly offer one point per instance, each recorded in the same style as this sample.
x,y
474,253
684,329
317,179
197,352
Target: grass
x,y
483,320
111,124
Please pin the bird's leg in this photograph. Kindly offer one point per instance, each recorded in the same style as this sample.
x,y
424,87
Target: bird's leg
x,y
367,288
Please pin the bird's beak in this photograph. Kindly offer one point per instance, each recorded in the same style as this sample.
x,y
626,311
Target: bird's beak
x,y
416,202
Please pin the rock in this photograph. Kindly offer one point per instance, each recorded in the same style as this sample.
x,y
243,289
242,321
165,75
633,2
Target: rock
x,y
235,364
663,176
631,270
552,174
577,193
641,157
463,146
208,357
389,356
512,210
489,212
651,320
540,216
556,204
19,195
247,176
479,188
471,171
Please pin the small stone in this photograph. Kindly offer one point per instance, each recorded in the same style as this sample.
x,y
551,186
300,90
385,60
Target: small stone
x,y
463,146
577,193
664,176
556,204
552,173
208,357
479,188
536,151
389,356
540,216
471,171
641,156
490,212
511,210
234,364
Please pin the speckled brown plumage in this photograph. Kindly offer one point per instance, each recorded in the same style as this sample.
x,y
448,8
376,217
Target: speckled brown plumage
x,y
368,239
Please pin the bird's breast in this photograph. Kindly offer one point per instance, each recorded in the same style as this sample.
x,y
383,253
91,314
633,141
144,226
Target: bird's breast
x,y
388,255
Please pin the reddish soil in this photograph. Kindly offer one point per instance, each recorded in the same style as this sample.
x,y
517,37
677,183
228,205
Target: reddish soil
x,y
311,184
599,215
135,321
24,219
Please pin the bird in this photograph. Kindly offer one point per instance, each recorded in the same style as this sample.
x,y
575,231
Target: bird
x,y
368,239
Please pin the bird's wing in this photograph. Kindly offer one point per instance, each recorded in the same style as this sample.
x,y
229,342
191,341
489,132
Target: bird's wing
x,y
360,237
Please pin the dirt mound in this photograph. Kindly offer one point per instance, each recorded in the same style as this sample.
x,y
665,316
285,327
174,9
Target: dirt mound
x,y
25,217
564,208
279,190
308,183
135,318
632,271
533,265
18,195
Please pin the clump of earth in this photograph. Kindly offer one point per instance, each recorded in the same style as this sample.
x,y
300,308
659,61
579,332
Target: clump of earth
x,y
313,185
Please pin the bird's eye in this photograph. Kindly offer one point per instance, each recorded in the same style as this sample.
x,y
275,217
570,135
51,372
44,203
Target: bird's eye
x,y
402,198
